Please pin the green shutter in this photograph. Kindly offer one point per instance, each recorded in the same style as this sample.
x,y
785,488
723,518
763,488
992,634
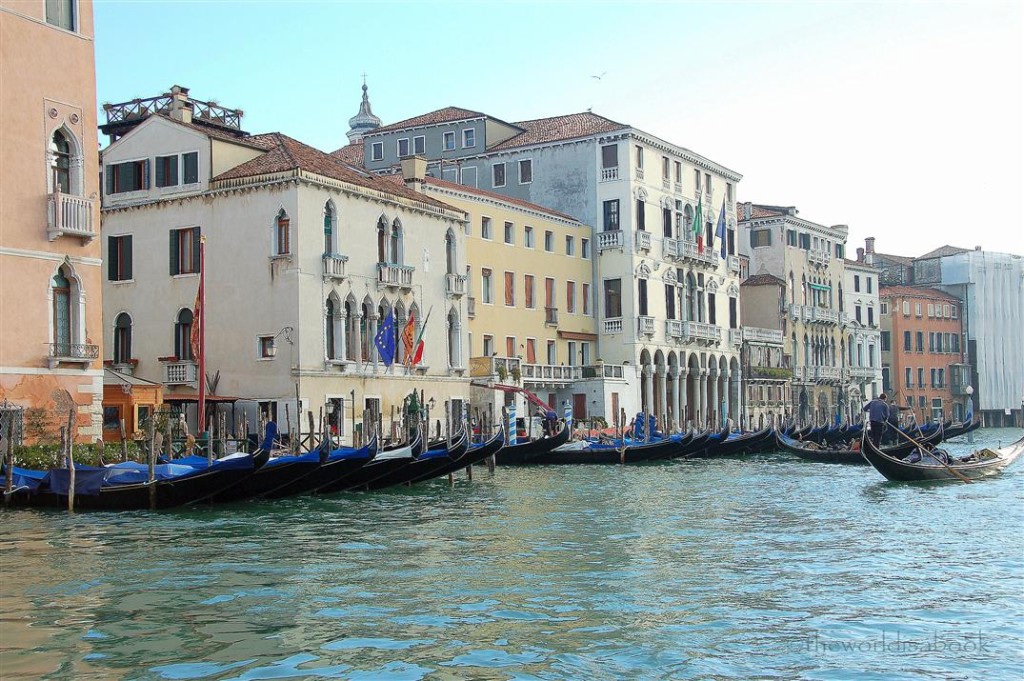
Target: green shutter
x,y
111,260
172,181
126,257
110,179
161,180
145,174
175,267
191,167
195,249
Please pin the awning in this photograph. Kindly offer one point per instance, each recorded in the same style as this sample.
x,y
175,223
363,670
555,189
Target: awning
x,y
577,335
194,397
820,287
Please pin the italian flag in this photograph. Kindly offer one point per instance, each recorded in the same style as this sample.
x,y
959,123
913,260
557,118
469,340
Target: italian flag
x,y
698,229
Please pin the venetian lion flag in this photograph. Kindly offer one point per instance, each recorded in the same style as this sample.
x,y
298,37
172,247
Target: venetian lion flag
x,y
409,338
197,322
698,230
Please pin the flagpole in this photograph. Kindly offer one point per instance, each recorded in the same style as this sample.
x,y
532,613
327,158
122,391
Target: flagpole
x,y
202,337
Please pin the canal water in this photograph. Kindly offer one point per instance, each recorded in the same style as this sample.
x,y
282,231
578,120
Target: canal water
x,y
754,568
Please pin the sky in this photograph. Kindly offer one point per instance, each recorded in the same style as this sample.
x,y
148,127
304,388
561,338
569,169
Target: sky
x,y
902,120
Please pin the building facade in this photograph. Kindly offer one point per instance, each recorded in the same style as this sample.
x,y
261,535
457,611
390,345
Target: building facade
x,y
50,267
665,263
767,368
809,258
863,336
306,260
926,353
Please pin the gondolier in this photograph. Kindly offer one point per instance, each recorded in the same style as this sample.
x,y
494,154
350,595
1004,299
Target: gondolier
x,y
878,414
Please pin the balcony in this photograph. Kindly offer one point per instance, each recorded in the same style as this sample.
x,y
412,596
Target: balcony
x,y
394,276
735,337
705,257
677,187
825,315
334,266
180,372
643,240
500,368
613,325
672,248
673,328
609,174
471,307
701,332
551,316
818,258
862,373
71,353
758,335
734,263
455,285
665,183
779,373
68,215
645,325
551,374
802,373
640,174
828,373
611,239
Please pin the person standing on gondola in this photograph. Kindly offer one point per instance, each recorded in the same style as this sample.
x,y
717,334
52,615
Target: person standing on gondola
x,y
878,414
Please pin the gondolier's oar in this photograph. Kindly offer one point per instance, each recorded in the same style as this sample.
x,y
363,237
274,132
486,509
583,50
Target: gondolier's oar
x,y
925,450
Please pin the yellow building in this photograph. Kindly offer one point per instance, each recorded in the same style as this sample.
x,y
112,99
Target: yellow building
x,y
50,267
529,282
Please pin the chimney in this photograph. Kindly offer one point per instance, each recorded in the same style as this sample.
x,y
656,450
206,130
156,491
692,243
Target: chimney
x,y
869,245
181,105
977,248
860,255
414,169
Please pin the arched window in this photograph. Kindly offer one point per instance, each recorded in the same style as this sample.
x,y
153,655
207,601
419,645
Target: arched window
x,y
282,234
122,338
366,332
330,224
329,329
803,290
449,250
62,324
352,335
183,335
396,242
60,151
382,240
691,298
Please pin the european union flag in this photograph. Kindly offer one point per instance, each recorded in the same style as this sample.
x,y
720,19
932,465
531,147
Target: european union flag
x,y
385,340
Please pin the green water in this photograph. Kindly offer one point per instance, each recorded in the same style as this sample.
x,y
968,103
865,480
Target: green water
x,y
754,568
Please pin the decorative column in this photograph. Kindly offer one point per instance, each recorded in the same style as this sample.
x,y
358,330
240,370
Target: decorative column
x,y
682,387
713,412
702,387
727,395
675,418
342,327
648,380
662,396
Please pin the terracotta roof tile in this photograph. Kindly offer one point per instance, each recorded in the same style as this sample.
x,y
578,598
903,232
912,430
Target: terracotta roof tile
x,y
494,195
556,128
351,154
914,292
901,259
942,251
218,133
285,153
762,280
445,115
758,211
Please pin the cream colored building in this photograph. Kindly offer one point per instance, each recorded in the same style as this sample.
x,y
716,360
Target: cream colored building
x,y
50,267
306,258
532,320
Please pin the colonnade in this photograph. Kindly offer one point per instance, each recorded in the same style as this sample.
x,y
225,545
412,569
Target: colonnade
x,y
681,397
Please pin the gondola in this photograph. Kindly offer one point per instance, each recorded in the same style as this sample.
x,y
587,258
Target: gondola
x,y
712,442
978,464
515,455
594,453
425,466
811,451
126,486
391,459
475,454
338,465
958,429
742,443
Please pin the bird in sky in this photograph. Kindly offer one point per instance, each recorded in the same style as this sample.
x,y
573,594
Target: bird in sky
x,y
599,77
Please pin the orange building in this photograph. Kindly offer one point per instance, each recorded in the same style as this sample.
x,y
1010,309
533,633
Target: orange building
x,y
50,266
922,351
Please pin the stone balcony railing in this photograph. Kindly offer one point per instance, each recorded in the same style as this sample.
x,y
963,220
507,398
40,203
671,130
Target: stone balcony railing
x,y
734,263
494,367
672,248
612,325
645,325
705,257
643,240
828,373
611,239
825,315
334,266
609,174
819,258
699,331
735,336
180,372
455,284
69,216
394,276
862,372
674,328
550,373
802,373
640,173
759,335
71,353
678,187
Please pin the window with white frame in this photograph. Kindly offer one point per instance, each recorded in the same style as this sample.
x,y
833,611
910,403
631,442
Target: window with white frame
x,y
486,286
552,353
585,248
282,234
403,147
130,176
549,241
184,250
419,144
528,239
448,141
525,171
510,233
570,245
498,175
265,347
485,227
377,151
585,298
468,138
61,13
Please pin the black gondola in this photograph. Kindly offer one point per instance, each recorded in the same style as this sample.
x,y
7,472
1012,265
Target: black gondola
x,y
387,462
472,456
592,453
810,451
340,464
744,443
931,466
514,455
425,466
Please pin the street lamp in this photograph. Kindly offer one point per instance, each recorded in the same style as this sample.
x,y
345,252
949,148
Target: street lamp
x,y
970,412
287,333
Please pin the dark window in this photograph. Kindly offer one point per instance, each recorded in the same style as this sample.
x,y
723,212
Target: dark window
x,y
886,341
791,237
184,250
499,175
906,341
760,237
525,171
871,315
611,215
419,145
122,338
711,308
61,13
641,222
920,341
733,317
731,244
119,258
183,335
131,176
641,289
610,156
167,171
613,298
190,161
666,221
856,283
61,163
670,301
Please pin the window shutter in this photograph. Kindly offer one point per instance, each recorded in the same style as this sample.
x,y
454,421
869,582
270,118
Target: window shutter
x,y
173,172
111,260
145,174
191,169
195,248
161,179
110,179
126,257
174,253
